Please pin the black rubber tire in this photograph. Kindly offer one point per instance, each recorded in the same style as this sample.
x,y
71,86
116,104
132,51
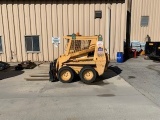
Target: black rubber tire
x,y
68,69
82,77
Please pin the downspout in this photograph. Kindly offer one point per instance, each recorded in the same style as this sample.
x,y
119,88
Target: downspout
x,y
108,26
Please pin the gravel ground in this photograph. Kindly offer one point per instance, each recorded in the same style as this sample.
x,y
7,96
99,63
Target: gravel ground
x,y
144,75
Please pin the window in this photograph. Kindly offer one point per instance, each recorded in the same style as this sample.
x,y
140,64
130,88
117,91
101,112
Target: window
x,y
32,43
98,14
144,21
1,49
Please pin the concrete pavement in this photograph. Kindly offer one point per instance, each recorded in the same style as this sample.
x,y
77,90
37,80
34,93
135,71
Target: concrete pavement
x,y
143,75
111,98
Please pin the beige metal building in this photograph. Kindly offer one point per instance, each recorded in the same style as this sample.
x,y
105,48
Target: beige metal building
x,y
27,28
145,20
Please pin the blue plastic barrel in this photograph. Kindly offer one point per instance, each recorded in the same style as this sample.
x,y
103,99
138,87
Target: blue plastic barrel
x,y
119,57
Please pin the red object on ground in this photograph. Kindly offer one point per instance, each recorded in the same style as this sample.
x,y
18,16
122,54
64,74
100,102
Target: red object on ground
x,y
135,52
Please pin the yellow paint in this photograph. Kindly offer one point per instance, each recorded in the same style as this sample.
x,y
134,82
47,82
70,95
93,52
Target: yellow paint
x,y
65,75
150,43
77,59
88,75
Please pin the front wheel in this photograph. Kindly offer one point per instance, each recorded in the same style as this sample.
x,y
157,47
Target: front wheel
x,y
66,74
88,74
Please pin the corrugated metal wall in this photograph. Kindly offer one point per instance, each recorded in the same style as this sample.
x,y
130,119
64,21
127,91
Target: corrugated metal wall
x,y
145,8
58,19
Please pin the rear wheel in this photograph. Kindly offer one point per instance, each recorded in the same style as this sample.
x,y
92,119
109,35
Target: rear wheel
x,y
66,74
88,74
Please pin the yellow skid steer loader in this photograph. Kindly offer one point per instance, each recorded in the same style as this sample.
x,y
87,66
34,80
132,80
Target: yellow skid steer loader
x,y
84,56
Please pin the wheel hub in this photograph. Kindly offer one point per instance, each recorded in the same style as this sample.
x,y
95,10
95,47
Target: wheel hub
x,y
88,74
65,75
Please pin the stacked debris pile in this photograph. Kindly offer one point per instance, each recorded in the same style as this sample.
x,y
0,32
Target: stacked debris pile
x,y
25,65
4,65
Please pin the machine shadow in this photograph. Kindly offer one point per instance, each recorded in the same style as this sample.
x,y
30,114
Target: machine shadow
x,y
111,72
9,72
102,80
